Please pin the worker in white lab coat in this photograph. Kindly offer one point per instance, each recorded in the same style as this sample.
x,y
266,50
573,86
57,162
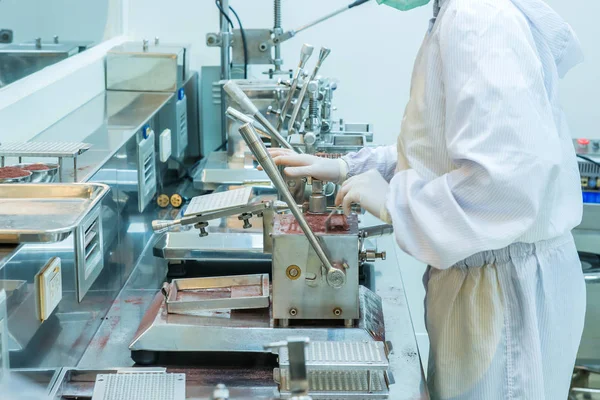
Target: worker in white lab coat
x,y
483,185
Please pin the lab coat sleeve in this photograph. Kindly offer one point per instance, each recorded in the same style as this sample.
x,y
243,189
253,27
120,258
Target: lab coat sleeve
x,y
500,133
383,158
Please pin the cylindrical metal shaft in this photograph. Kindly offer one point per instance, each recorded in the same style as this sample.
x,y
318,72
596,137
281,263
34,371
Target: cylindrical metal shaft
x,y
335,276
240,97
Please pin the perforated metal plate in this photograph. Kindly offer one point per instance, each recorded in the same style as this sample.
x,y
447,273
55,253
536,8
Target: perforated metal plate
x,y
341,355
219,201
330,385
139,386
43,149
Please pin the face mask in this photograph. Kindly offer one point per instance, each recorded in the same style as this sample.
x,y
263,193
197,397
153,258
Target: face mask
x,y
403,5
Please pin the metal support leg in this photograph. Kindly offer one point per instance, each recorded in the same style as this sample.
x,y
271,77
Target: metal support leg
x,y
60,169
20,160
74,169
2,162
284,322
349,323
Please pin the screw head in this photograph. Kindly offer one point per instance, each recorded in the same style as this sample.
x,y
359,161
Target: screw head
x,y
337,311
293,312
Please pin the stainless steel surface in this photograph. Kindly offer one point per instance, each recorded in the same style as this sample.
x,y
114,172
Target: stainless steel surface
x,y
591,218
4,364
139,386
197,295
20,60
109,346
45,213
147,174
220,170
42,175
222,246
156,68
341,355
89,251
334,385
311,294
245,331
335,276
244,101
111,123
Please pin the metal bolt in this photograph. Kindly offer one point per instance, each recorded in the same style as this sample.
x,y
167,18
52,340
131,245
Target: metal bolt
x,y
145,45
38,43
156,41
293,312
202,226
291,184
56,39
263,47
246,218
337,311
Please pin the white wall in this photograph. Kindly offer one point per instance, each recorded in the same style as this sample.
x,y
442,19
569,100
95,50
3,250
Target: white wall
x,y
69,19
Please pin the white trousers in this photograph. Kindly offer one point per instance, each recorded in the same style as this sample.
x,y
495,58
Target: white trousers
x,y
506,324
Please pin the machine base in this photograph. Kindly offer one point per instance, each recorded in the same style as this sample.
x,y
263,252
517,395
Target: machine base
x,y
244,330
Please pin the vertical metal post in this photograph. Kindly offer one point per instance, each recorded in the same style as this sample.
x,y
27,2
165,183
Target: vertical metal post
x,y
277,31
225,61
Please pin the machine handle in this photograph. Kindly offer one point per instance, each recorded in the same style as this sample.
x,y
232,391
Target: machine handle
x,y
336,277
240,97
376,231
160,226
357,3
305,54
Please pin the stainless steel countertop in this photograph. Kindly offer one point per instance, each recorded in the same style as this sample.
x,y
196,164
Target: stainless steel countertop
x,y
109,348
106,122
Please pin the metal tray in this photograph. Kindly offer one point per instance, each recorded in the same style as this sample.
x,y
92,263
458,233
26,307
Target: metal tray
x,y
191,296
45,213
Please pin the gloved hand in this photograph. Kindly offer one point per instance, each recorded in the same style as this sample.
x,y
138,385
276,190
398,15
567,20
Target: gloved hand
x,y
303,165
367,189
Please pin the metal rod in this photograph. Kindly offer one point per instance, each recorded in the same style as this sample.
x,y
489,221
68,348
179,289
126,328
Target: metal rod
x,y
335,277
328,16
323,54
245,119
75,169
240,97
305,54
225,35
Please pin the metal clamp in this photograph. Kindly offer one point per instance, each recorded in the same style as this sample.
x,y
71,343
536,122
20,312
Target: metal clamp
x,y
297,356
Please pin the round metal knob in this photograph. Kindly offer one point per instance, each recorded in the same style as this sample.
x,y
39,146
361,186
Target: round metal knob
x,y
336,278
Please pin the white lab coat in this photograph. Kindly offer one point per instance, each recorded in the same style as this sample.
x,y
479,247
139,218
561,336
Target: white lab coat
x,y
484,161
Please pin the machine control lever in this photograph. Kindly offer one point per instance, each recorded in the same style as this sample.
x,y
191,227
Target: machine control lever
x,y
305,54
336,277
240,97
323,54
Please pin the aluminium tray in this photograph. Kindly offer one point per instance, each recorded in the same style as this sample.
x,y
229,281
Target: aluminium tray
x,y
197,295
43,149
45,213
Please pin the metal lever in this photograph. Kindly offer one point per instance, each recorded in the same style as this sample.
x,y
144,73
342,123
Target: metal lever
x,y
244,119
305,54
323,54
336,277
240,97
160,226
297,359
376,231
